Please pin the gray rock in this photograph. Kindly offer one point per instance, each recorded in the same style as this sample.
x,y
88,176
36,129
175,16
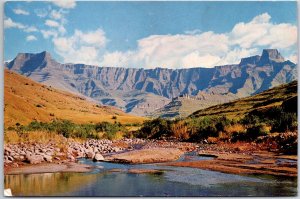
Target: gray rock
x,y
98,157
34,159
47,158
90,154
71,158
10,158
19,157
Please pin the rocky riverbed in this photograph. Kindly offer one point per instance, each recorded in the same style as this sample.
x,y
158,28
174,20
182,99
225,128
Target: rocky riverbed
x,y
24,154
247,158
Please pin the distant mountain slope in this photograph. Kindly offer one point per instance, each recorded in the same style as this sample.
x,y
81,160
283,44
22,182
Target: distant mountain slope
x,y
238,108
26,100
185,105
120,86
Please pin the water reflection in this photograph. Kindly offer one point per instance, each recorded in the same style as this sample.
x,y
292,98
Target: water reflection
x,y
47,184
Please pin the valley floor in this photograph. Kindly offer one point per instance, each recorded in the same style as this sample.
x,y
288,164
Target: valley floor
x,y
238,158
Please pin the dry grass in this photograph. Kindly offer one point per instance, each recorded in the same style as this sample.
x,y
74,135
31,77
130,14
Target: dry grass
x,y
13,137
26,100
180,130
234,128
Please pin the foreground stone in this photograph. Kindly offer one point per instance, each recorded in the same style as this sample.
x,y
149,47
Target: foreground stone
x,y
153,155
98,157
34,159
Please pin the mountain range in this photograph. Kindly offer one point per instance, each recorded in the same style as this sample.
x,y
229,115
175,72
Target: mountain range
x,y
143,91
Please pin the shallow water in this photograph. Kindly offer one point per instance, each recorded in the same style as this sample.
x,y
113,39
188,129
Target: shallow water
x,y
174,181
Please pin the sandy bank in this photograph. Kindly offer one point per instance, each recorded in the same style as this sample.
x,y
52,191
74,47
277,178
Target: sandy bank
x,y
153,155
50,168
257,163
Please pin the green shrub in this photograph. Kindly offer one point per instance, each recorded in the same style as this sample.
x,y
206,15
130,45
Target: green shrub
x,y
255,131
276,117
285,122
204,127
239,136
110,130
156,128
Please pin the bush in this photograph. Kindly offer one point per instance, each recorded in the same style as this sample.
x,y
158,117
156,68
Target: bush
x,y
255,131
285,122
110,130
156,128
239,136
250,119
180,130
276,117
202,128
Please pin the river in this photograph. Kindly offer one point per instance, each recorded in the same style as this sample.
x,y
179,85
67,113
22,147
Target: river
x,y
111,179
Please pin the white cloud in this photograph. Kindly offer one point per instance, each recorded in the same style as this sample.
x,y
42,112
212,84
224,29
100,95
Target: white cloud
x,y
67,4
51,23
118,59
81,47
175,51
49,33
195,59
19,11
233,56
41,12
260,32
191,49
293,58
54,24
31,38
9,23
55,14
31,29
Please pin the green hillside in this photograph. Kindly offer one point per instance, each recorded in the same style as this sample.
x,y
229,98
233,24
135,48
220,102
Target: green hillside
x,y
260,102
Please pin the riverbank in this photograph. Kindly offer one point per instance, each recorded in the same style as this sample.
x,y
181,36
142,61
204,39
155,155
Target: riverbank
x,y
261,162
68,167
239,158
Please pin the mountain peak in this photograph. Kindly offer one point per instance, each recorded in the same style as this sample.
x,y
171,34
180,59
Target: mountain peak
x,y
271,55
28,62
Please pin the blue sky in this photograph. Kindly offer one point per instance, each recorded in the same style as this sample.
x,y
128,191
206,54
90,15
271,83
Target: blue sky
x,y
150,34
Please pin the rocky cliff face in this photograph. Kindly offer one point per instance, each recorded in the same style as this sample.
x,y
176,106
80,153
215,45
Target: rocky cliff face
x,y
130,88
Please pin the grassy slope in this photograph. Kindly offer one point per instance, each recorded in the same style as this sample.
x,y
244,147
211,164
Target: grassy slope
x,y
179,108
22,98
182,107
238,108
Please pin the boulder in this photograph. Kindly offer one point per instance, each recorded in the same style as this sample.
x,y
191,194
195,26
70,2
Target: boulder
x,y
47,158
34,159
10,158
90,154
71,157
98,157
19,157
